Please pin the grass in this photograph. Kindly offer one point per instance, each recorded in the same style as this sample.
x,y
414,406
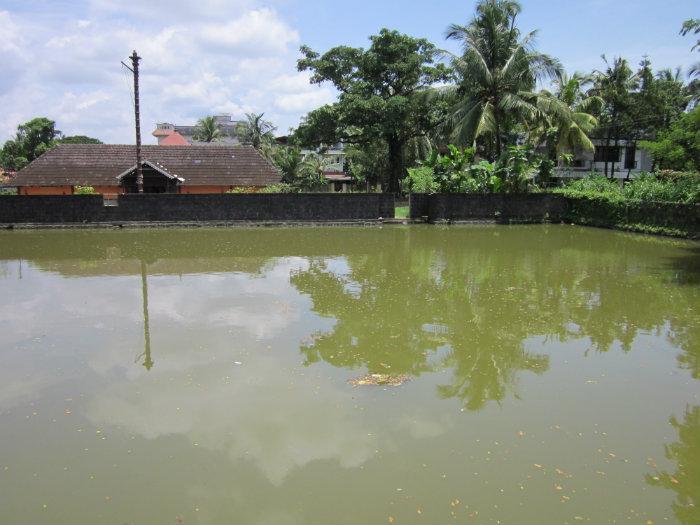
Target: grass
x,y
401,212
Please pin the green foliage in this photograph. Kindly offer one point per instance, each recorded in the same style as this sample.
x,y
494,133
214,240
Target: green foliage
x,y
304,172
84,190
368,162
257,131
289,161
592,184
678,147
516,169
455,172
280,188
381,96
311,176
421,180
208,130
496,74
78,139
693,26
681,188
32,139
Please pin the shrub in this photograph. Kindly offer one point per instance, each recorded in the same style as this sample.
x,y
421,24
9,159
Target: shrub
x,y
280,188
647,187
421,180
84,190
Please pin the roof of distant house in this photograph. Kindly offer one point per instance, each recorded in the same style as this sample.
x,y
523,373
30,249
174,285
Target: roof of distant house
x,y
174,139
101,165
337,176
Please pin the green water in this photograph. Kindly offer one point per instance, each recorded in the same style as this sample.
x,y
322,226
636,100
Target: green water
x,y
202,377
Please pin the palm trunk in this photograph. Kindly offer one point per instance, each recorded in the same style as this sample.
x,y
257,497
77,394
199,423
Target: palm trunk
x,y
607,148
617,140
499,146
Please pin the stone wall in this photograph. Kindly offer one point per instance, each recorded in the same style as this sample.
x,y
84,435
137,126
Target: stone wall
x,y
531,207
655,217
20,209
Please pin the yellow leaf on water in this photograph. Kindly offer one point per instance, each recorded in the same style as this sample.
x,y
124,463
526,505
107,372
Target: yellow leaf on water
x,y
391,519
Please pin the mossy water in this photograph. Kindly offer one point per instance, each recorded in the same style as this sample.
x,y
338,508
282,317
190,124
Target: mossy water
x,y
549,374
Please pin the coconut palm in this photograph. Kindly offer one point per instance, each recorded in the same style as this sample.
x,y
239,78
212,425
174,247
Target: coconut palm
x,y
208,130
257,131
498,71
566,116
289,161
615,86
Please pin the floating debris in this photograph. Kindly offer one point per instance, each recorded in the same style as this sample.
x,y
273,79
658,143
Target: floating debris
x,y
379,379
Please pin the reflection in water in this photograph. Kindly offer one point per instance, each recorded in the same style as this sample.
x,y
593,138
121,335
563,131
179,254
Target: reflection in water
x,y
424,303
561,347
685,481
146,355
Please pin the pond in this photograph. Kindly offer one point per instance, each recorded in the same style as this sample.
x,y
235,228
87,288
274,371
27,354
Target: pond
x,y
529,375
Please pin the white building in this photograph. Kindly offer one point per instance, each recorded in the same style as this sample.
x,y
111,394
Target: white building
x,y
166,133
630,160
334,167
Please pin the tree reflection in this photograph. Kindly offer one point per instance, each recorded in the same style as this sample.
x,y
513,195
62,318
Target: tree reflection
x,y
685,481
424,302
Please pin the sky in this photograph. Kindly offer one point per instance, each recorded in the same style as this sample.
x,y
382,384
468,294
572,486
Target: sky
x,y
61,59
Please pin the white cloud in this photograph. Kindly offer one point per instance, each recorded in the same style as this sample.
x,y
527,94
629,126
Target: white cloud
x,y
200,58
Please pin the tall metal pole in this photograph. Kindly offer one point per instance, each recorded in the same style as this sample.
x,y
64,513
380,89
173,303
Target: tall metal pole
x,y
137,111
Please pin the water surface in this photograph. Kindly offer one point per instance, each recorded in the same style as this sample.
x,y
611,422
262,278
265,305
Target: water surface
x,y
202,376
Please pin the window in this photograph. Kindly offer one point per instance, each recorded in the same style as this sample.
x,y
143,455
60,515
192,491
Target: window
x,y
630,161
607,154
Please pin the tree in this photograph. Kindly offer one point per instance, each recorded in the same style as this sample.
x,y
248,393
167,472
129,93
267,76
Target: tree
x,y
208,130
615,86
566,116
289,161
32,139
382,96
497,72
693,26
678,148
257,131
79,139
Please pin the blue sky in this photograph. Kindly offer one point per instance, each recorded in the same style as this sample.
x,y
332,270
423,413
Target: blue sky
x,y
61,58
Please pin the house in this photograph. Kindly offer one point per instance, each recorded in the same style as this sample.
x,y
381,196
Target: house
x,y
173,139
333,167
229,131
338,181
111,169
630,160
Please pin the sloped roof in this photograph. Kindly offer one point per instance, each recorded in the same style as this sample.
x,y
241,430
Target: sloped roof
x,y
160,169
101,164
174,139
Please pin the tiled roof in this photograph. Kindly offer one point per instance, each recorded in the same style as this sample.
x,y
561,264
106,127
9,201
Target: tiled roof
x,y
174,139
100,164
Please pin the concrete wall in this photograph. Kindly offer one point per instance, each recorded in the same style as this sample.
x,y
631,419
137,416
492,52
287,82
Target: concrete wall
x,y
500,207
49,209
